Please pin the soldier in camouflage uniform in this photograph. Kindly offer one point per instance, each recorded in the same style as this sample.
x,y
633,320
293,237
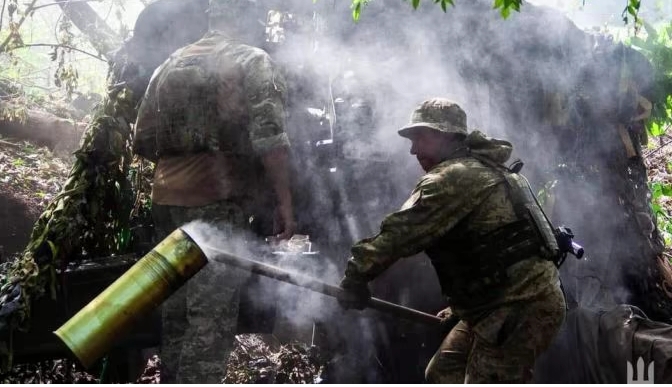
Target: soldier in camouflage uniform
x,y
491,246
212,120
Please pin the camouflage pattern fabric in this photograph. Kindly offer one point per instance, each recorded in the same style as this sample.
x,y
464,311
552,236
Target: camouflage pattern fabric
x,y
438,114
241,116
444,197
496,350
460,195
199,321
250,97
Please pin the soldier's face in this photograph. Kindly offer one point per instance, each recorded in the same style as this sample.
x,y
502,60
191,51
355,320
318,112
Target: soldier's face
x,y
429,146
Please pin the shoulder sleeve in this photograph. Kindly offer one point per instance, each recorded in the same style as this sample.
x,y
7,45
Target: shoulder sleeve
x,y
147,123
438,203
266,94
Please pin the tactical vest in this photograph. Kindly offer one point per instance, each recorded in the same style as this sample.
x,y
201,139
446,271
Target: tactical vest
x,y
190,120
472,267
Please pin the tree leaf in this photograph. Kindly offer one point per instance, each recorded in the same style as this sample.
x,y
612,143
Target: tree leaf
x,y
655,129
356,9
666,190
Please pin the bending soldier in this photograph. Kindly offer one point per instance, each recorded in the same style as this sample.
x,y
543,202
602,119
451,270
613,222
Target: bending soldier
x,y
213,121
487,238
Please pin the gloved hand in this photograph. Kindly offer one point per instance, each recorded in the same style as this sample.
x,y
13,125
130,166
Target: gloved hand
x,y
448,319
356,294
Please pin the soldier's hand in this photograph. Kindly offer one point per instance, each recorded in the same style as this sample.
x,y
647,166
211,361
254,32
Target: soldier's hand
x,y
445,314
448,319
355,295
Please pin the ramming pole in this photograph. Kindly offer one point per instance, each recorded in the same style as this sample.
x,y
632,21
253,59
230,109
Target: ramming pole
x,y
321,287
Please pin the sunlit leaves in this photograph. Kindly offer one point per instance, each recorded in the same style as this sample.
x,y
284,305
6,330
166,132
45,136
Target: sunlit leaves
x,y
657,48
659,189
66,75
655,129
357,8
504,6
632,9
444,4
660,193
10,112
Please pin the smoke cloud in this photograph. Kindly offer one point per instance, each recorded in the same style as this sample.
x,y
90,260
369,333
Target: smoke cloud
x,y
535,79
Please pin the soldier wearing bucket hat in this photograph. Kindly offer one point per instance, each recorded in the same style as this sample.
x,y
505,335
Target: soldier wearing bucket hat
x,y
437,129
493,251
439,114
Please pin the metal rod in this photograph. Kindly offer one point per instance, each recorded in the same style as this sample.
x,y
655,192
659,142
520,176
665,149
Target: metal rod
x,y
321,287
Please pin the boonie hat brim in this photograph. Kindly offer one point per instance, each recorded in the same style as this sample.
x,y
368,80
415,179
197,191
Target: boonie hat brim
x,y
412,129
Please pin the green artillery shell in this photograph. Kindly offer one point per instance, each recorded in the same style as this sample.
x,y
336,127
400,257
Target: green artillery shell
x,y
101,324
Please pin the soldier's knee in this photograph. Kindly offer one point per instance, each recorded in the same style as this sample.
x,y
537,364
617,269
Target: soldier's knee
x,y
430,373
436,374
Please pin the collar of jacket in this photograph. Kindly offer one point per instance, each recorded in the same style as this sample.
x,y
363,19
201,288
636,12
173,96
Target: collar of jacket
x,y
219,34
460,152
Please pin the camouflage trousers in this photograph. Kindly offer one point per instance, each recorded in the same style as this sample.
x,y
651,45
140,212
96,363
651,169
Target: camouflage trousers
x,y
499,349
199,321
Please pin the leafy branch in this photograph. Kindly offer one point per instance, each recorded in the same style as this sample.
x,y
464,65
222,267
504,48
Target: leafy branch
x,y
657,48
14,36
57,3
632,9
65,46
504,6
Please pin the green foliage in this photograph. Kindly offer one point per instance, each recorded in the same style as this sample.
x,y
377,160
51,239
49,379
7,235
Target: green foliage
x,y
44,52
13,113
357,8
94,205
657,48
632,9
504,6
661,192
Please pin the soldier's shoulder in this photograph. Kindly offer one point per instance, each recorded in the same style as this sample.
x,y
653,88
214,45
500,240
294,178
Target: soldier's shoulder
x,y
246,54
454,168
462,174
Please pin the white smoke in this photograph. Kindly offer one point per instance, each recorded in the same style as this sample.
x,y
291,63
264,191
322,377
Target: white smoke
x,y
499,71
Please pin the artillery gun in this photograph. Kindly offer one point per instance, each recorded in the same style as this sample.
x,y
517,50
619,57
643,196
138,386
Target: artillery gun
x,y
328,158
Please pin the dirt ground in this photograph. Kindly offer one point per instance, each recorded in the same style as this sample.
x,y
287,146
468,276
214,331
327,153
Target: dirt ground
x,y
30,177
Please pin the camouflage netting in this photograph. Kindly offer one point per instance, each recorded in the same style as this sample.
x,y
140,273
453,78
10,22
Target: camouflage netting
x,y
256,359
48,372
89,217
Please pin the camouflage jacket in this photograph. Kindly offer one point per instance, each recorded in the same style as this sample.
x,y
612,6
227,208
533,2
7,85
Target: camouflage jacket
x,y
249,98
459,195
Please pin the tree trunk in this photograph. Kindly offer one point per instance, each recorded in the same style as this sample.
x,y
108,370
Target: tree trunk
x,y
102,37
46,129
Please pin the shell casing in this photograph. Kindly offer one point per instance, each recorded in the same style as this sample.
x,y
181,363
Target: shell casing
x,y
97,327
